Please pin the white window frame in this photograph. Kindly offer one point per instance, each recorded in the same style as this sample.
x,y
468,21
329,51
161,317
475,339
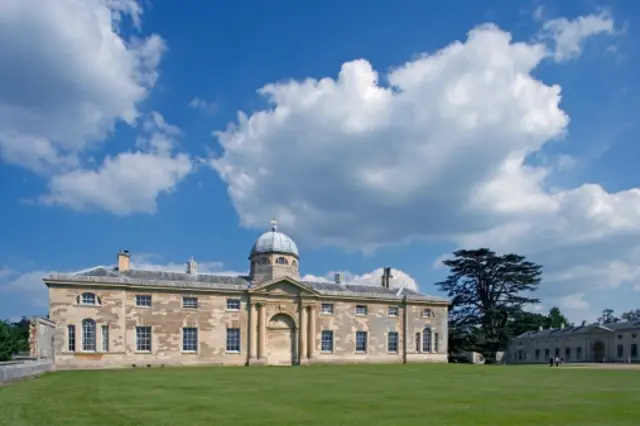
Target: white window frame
x,y
366,342
328,311
232,340
141,297
71,338
397,342
427,335
329,340
362,307
89,335
185,306
104,333
82,299
192,340
427,313
394,308
233,301
137,337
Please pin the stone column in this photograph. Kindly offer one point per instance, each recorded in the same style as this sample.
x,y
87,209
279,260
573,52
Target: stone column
x,y
262,335
253,332
405,330
302,335
311,338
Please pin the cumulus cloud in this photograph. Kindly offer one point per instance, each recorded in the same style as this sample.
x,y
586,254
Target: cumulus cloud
x,y
129,182
203,106
400,278
435,149
568,36
67,75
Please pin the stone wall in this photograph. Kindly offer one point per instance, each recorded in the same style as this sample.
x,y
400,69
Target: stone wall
x,y
11,371
41,338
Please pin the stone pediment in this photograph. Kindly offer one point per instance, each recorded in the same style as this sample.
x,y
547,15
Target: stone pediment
x,y
284,287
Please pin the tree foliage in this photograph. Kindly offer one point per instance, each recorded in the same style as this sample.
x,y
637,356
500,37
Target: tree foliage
x,y
633,315
487,291
607,317
14,337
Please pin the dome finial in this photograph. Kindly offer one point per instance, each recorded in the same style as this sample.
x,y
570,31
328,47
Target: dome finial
x,y
274,224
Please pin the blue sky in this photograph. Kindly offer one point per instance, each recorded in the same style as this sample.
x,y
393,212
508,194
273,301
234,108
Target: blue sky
x,y
377,136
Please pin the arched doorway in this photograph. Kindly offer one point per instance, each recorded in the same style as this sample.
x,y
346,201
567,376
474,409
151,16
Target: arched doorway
x,y
598,351
281,340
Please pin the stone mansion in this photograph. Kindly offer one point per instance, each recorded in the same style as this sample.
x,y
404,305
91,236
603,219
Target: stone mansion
x,y
121,316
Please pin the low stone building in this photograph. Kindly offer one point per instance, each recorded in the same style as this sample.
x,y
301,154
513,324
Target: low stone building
x,y
120,316
584,343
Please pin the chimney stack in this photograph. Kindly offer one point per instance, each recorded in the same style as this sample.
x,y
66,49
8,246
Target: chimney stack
x,y
192,267
338,278
386,277
584,323
123,260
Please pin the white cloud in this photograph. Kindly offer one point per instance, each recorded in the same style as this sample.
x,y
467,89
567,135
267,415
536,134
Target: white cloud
x,y
204,106
440,152
129,182
67,75
400,278
568,36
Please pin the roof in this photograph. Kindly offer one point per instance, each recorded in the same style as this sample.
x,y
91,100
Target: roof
x,y
204,281
584,328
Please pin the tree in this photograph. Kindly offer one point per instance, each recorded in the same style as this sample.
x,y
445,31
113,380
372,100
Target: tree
x,y
20,333
488,291
633,315
608,317
556,319
6,341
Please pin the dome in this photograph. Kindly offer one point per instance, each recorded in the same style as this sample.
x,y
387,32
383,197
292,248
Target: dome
x,y
274,241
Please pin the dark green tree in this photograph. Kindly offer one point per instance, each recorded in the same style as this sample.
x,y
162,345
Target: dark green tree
x,y
633,315
556,319
6,341
487,291
20,334
608,317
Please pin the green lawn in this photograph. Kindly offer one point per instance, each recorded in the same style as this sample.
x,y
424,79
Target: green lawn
x,y
327,395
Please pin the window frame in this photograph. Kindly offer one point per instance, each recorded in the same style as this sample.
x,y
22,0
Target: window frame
x,y
81,299
192,340
71,338
89,335
230,339
366,310
185,298
229,300
427,313
140,328
323,334
397,310
366,342
331,310
140,297
427,346
104,335
396,341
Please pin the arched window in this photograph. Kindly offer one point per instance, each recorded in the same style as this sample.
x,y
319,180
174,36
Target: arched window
x,y
537,354
634,350
427,313
294,264
282,261
546,354
620,351
578,352
567,354
263,261
520,354
426,340
88,335
88,299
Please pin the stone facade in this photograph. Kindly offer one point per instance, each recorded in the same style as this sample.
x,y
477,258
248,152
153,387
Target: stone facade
x,y
119,317
585,343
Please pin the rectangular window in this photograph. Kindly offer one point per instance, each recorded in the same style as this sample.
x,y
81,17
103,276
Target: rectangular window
x,y
418,345
189,339
327,341
105,338
233,340
190,302
361,310
143,300
427,313
361,341
327,308
88,299
392,343
143,339
71,334
436,338
233,304
393,311
88,335
426,340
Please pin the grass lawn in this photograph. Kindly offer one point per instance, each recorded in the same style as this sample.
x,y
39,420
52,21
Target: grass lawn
x,y
327,395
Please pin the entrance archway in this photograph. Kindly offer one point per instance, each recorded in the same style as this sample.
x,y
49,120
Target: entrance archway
x,y
281,340
598,351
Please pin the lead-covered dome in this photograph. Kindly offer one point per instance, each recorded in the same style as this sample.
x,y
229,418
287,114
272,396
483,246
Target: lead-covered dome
x,y
274,241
